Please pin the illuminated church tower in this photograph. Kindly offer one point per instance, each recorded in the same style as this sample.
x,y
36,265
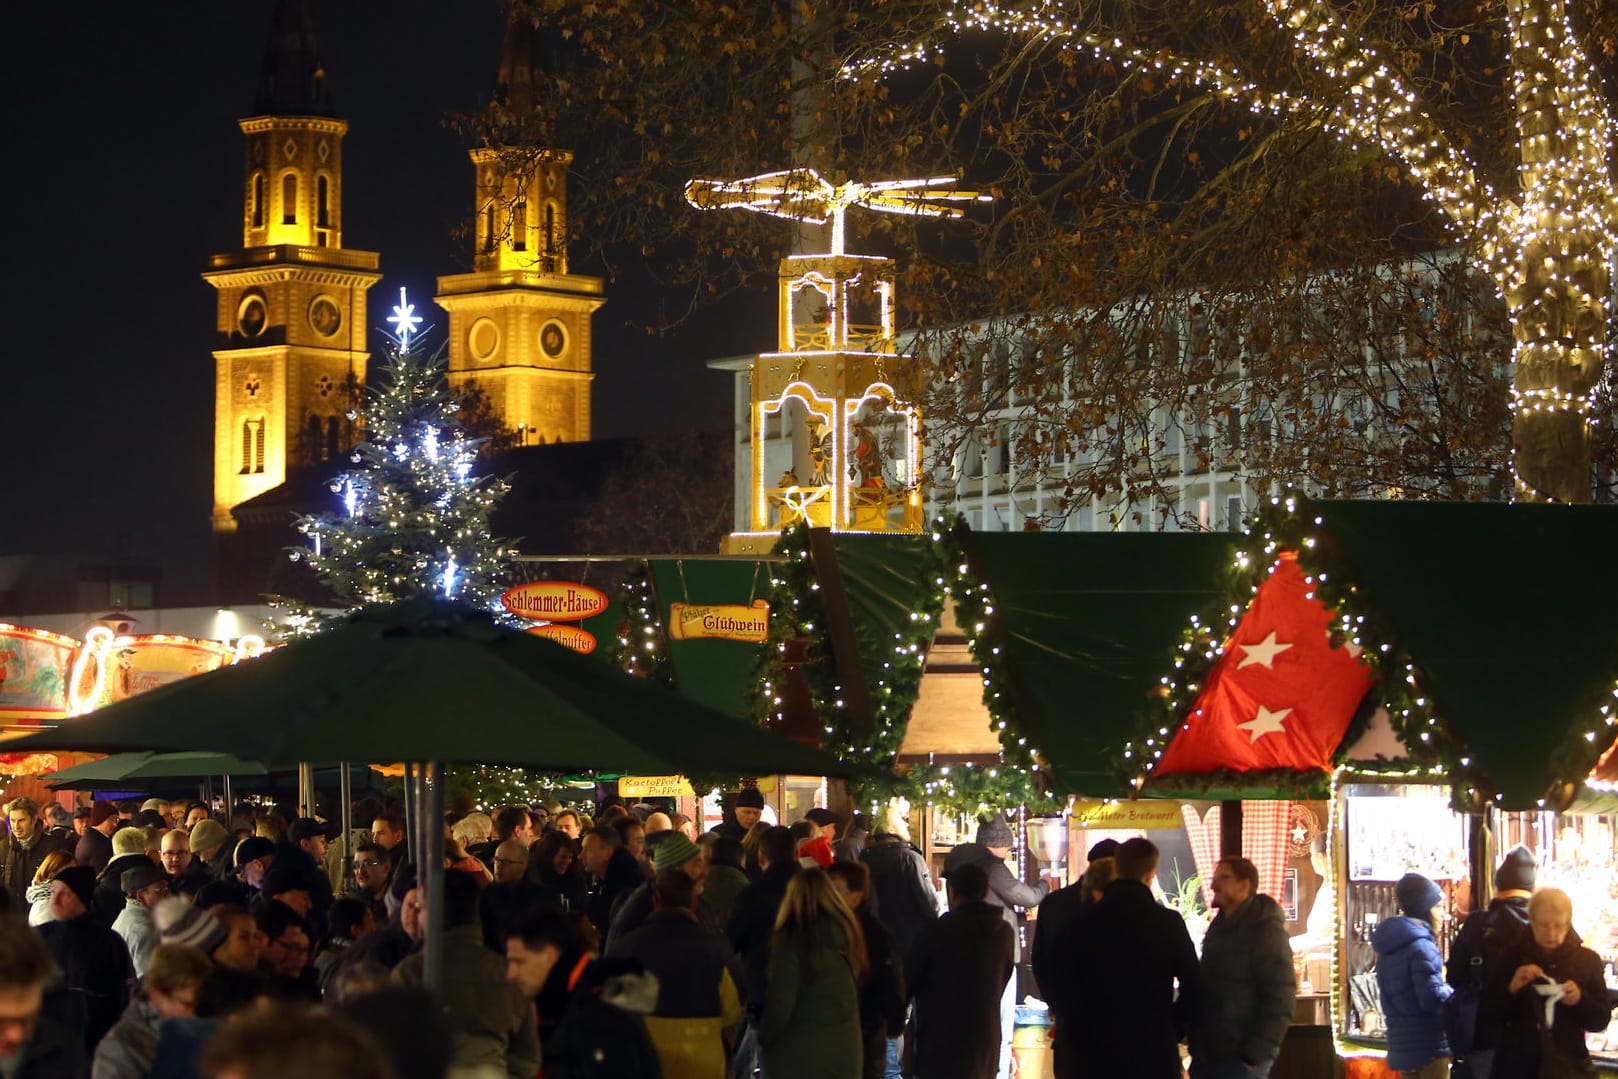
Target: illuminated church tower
x,y
519,324
291,303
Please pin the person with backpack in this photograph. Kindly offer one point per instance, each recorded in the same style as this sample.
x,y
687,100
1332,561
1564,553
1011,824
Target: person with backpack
x,y
1474,957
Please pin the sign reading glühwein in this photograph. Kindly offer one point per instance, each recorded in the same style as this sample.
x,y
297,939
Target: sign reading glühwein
x,y
554,601
730,622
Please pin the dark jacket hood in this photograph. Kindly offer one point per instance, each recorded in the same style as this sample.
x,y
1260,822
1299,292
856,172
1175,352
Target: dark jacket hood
x,y
969,854
1399,932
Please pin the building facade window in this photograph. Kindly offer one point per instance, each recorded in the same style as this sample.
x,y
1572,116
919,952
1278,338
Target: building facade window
x,y
258,200
289,199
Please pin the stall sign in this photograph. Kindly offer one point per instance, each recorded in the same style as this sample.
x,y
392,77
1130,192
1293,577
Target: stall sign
x,y
1144,815
655,787
34,667
580,640
554,601
728,622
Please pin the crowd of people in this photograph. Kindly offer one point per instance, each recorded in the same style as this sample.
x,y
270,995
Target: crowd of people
x,y
175,940
167,940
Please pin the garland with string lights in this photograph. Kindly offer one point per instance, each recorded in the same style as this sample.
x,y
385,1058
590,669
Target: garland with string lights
x,y
414,520
640,646
1548,250
1435,749
799,614
1276,527
1020,777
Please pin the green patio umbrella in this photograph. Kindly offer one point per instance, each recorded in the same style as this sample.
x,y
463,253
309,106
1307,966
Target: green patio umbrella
x,y
424,681
126,767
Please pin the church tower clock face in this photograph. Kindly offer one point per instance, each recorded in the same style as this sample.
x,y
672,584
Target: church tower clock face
x,y
251,315
325,317
553,340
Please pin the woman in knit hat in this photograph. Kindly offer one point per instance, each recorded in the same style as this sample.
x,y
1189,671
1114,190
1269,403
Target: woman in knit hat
x,y
1410,976
1476,954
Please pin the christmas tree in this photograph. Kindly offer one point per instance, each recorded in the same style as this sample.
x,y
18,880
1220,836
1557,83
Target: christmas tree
x,y
414,519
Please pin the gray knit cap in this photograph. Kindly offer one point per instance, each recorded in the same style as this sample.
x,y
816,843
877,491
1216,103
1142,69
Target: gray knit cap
x,y
178,922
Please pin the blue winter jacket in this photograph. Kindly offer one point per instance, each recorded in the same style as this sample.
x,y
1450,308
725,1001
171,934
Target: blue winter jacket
x,y
1410,976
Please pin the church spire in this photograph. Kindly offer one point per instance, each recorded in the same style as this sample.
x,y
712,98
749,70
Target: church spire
x,y
526,54
292,76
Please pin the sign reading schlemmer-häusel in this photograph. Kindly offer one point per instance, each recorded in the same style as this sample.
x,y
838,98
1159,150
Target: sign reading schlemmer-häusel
x,y
554,601
1143,814
729,622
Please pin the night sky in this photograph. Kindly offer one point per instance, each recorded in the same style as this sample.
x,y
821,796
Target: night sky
x,y
125,171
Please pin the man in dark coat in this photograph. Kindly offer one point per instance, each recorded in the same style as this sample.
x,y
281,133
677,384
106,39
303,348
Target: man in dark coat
x,y
1248,992
746,811
93,959
901,888
39,1024
94,847
614,873
1475,954
28,846
1121,1015
957,974
599,1030
752,922
1006,892
132,848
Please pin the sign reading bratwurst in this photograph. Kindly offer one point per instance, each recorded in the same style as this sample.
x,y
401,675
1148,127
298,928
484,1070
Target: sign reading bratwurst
x,y
730,622
554,601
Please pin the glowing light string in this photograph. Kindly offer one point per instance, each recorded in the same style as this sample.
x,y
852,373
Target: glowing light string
x,y
1549,250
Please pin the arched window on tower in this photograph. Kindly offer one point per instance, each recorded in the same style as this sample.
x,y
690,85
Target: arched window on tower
x,y
519,225
323,202
334,438
258,200
489,231
252,446
289,199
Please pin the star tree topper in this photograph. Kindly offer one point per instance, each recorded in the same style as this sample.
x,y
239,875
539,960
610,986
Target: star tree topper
x,y
405,320
1280,696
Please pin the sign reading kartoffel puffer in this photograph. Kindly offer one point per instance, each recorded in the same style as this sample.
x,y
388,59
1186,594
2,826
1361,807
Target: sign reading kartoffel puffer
x,y
654,787
580,640
554,601
1145,815
729,622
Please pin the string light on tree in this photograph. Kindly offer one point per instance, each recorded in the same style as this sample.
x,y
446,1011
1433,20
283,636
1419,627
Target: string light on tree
x,y
1549,249
413,518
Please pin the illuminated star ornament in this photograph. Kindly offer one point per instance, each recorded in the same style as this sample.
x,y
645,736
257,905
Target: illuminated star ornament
x,y
405,320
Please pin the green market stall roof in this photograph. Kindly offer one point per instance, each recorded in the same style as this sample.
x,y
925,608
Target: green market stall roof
x,y
1509,614
1082,621
1491,626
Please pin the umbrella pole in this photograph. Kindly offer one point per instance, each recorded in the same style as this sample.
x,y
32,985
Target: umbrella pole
x,y
230,808
306,789
345,795
433,875
412,816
